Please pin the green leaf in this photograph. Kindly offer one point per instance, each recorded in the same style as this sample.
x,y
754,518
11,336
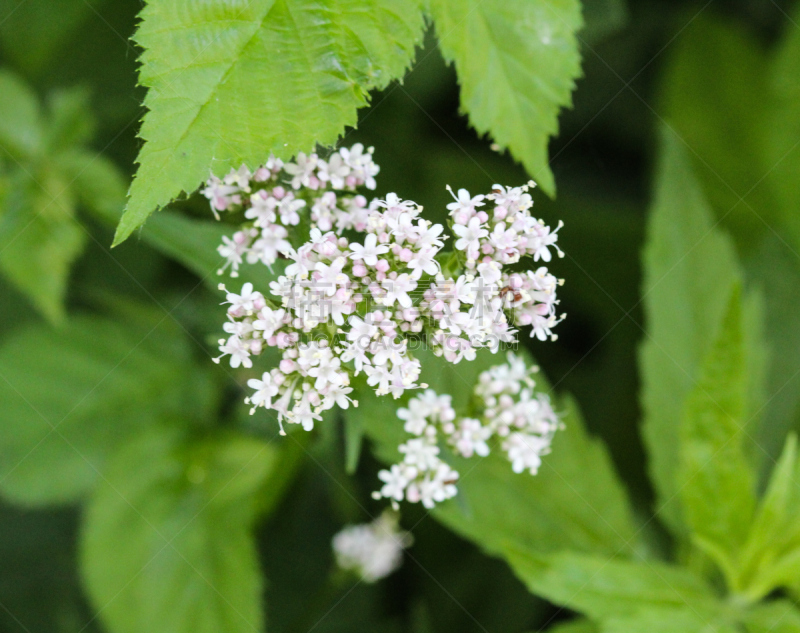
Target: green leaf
x,y
715,479
603,18
776,271
39,238
690,269
778,616
771,556
602,588
31,49
713,92
517,62
579,625
353,441
177,516
231,82
576,501
782,122
70,396
20,118
671,620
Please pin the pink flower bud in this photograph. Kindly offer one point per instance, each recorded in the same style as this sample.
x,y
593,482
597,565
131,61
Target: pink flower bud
x,y
406,255
382,265
279,192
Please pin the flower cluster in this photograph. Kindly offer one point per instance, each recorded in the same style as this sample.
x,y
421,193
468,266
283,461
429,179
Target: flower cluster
x,y
507,408
367,282
273,197
372,550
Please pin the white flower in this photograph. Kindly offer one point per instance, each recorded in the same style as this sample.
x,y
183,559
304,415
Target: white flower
x,y
424,262
265,388
327,373
395,481
470,236
329,277
464,202
397,290
245,301
269,321
239,352
368,253
420,453
372,550
335,170
301,170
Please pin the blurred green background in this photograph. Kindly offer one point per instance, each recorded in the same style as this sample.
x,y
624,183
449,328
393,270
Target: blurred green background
x,y
695,65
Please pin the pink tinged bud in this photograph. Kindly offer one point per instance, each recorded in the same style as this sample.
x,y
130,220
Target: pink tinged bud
x,y
515,281
240,237
313,182
360,201
487,248
259,303
500,213
262,174
282,340
236,312
382,265
278,193
255,346
396,249
524,319
343,243
272,341
327,249
359,270
483,216
462,217
377,316
278,378
287,366
383,238
380,276
313,398
542,309
351,181
406,255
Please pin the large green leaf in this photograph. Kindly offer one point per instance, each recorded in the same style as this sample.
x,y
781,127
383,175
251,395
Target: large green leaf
x,y
517,61
70,396
166,545
715,479
713,93
690,269
576,501
782,146
602,588
231,82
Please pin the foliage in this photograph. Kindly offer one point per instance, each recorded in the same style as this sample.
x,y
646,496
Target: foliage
x,y
139,495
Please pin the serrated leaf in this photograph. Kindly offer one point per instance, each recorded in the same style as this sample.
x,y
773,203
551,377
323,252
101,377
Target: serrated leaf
x,y
689,271
70,396
715,480
231,82
575,501
771,556
166,544
517,62
602,588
